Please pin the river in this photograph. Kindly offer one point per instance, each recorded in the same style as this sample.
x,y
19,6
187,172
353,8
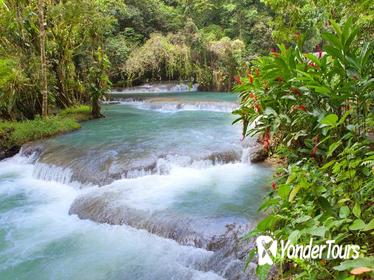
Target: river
x,y
156,190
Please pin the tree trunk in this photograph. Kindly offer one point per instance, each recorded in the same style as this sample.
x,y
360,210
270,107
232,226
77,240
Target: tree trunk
x,y
96,114
43,60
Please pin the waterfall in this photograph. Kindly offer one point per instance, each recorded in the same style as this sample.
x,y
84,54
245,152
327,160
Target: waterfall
x,y
164,87
54,173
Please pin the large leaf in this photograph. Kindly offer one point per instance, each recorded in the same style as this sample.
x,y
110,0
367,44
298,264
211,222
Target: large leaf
x,y
283,191
357,210
262,271
357,224
267,223
360,262
332,148
330,120
294,192
344,212
369,226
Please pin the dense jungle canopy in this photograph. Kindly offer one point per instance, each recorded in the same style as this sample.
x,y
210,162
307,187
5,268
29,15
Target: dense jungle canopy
x,y
91,44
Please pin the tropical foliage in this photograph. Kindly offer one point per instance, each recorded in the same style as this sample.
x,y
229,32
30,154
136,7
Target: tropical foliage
x,y
316,110
74,32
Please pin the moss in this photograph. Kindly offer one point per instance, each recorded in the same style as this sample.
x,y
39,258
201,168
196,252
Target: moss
x,y
14,134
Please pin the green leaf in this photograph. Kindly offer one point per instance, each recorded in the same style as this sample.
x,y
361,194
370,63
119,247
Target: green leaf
x,y
360,262
267,223
332,148
325,205
330,120
283,191
344,212
357,210
294,192
334,52
336,27
333,40
369,226
262,271
327,165
317,231
302,219
294,236
357,224
268,203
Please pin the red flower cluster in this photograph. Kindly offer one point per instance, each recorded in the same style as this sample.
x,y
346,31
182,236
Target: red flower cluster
x,y
313,65
238,80
258,108
257,72
253,96
298,107
250,78
273,185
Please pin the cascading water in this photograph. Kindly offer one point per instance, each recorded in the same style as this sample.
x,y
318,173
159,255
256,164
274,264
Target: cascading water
x,y
143,194
162,87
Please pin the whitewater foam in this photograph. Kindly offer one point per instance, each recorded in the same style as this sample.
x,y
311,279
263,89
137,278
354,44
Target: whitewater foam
x,y
172,107
39,229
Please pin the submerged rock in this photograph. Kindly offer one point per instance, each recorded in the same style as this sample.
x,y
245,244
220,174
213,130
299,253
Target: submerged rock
x,y
221,237
92,167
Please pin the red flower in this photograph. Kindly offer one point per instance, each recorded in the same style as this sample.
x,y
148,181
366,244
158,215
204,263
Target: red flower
x,y
298,107
274,185
301,107
313,65
257,72
258,108
250,78
238,80
253,96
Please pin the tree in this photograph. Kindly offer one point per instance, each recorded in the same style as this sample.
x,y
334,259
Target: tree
x,y
43,60
99,80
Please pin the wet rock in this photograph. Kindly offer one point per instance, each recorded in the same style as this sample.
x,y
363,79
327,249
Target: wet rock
x,y
103,208
6,147
257,153
253,150
8,152
224,157
230,250
32,149
111,165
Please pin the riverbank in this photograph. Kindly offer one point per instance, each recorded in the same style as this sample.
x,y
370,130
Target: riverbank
x,y
14,134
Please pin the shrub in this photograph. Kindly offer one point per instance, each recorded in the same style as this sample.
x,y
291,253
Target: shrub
x,y
316,110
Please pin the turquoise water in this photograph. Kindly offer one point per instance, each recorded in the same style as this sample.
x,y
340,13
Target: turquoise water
x,y
40,240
